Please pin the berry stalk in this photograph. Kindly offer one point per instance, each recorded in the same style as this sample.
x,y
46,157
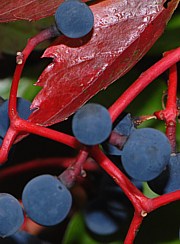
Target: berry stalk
x,y
170,112
69,176
21,60
133,229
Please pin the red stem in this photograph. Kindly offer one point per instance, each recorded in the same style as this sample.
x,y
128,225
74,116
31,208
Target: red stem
x,y
133,229
142,82
59,162
24,126
171,107
165,199
7,144
141,203
69,176
21,60
135,196
170,113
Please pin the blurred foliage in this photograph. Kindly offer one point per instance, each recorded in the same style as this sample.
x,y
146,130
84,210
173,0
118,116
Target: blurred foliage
x,y
13,37
76,232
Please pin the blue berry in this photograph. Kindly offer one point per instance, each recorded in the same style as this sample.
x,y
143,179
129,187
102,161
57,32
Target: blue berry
x,y
74,18
145,154
46,200
98,220
169,179
92,124
23,108
11,215
124,127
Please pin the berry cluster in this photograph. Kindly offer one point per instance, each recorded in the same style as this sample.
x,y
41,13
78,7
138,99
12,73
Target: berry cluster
x,y
38,193
45,199
128,154
144,155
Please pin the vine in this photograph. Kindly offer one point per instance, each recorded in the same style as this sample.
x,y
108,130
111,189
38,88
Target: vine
x,y
75,167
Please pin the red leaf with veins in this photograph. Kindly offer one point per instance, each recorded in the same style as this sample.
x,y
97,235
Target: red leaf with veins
x,y
12,10
123,32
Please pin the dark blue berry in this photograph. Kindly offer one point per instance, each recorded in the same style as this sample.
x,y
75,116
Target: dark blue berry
x,y
169,179
46,200
92,124
145,154
98,220
74,19
11,215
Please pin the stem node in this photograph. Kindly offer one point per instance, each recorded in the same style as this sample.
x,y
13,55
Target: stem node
x,y
143,213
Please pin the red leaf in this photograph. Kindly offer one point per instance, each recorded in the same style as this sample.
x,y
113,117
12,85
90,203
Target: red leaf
x,y
28,9
123,32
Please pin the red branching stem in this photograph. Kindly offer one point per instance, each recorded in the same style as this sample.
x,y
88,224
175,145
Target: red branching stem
x,y
135,196
165,199
7,143
25,126
141,203
170,112
133,229
44,163
69,176
21,60
143,81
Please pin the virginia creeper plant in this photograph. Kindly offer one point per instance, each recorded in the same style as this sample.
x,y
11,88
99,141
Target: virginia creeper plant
x,y
82,67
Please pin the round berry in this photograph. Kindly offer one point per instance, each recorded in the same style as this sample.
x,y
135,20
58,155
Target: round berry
x,y
46,200
145,154
92,124
74,19
11,215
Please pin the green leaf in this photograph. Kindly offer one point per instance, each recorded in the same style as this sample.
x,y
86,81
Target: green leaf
x,y
14,36
26,88
171,242
76,233
169,40
148,192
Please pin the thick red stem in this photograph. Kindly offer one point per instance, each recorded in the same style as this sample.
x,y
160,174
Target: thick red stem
x,y
25,126
165,199
135,196
142,82
7,144
141,203
21,60
37,164
170,113
133,229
